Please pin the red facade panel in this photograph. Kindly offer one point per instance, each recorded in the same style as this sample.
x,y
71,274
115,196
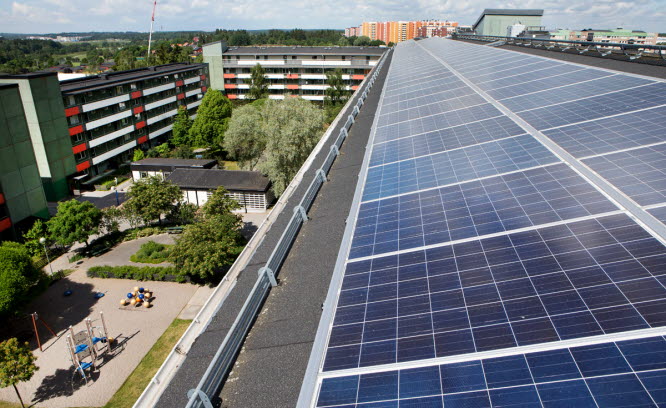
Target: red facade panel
x,y
141,124
354,87
181,96
358,77
83,166
203,77
232,96
2,198
292,86
138,110
75,110
142,139
229,86
229,76
135,94
5,223
292,76
75,130
204,89
79,148
180,83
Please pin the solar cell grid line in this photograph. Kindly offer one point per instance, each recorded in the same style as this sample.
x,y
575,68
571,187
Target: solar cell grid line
x,y
532,67
484,62
607,135
619,374
438,141
455,166
501,89
426,87
431,109
452,92
550,71
639,173
659,213
406,98
482,207
575,280
430,76
575,93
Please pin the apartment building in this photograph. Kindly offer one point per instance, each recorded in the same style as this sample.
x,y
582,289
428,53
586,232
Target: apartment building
x,y
616,36
111,114
352,31
21,190
296,71
398,31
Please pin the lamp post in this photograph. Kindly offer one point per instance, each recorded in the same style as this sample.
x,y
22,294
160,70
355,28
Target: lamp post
x,y
42,241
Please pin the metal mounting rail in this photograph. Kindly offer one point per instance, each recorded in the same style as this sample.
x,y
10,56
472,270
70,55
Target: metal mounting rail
x,y
226,353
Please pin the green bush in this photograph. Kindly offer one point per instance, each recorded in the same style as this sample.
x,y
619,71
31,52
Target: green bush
x,y
151,252
140,273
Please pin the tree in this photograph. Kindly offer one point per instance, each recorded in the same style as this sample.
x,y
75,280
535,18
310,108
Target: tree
x,y
245,140
336,92
110,222
362,41
376,43
206,247
33,235
211,121
163,150
219,204
292,127
181,128
17,275
17,364
258,83
138,155
151,197
75,221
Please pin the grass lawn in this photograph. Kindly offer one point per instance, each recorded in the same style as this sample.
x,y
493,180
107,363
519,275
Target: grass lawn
x,y
151,362
230,165
134,385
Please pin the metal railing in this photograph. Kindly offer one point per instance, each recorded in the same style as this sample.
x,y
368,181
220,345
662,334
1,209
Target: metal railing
x,y
226,353
632,51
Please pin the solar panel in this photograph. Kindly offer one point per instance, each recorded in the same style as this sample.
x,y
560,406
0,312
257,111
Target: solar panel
x,y
484,269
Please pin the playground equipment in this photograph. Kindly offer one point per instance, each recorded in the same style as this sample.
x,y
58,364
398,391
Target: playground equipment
x,y
137,297
86,346
35,318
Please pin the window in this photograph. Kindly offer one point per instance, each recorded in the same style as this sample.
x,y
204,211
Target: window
x,y
314,57
133,87
284,57
293,57
77,138
80,156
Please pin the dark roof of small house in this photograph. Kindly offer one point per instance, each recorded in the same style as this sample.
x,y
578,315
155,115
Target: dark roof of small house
x,y
232,180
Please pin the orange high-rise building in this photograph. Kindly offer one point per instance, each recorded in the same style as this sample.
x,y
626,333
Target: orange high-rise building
x,y
397,31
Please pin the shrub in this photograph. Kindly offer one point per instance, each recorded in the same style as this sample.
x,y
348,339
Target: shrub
x,y
140,273
151,252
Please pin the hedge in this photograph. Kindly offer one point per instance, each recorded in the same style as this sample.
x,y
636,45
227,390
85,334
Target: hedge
x,y
140,273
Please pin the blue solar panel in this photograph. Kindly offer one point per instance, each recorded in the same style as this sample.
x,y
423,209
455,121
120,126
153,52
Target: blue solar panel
x,y
610,134
620,374
517,200
435,107
442,140
393,104
659,213
640,173
568,74
574,280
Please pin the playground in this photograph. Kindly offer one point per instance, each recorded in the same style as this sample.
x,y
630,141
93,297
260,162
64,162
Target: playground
x,y
79,366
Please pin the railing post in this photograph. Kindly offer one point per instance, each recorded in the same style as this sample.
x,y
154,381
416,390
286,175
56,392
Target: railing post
x,y
202,396
269,273
335,149
322,176
351,117
299,209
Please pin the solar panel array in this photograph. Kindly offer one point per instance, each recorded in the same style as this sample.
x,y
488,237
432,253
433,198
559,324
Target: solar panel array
x,y
485,268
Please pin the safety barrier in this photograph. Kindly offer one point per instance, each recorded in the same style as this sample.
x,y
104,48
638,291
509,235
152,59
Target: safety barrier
x,y
226,353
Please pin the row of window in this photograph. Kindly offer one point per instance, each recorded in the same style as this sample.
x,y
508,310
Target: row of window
x,y
301,71
238,81
294,57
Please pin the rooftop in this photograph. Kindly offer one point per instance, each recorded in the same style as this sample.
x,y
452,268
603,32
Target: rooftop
x,y
161,161
93,82
509,12
209,179
299,50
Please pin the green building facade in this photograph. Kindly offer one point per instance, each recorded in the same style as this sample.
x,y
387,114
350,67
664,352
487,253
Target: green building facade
x,y
22,194
44,113
496,21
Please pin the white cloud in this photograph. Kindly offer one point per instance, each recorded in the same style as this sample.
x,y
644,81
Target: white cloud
x,y
36,16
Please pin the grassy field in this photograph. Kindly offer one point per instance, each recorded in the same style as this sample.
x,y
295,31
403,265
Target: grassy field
x,y
230,165
144,372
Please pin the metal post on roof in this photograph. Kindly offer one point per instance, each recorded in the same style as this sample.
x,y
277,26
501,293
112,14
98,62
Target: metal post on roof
x,y
299,209
335,149
269,274
202,396
351,117
320,173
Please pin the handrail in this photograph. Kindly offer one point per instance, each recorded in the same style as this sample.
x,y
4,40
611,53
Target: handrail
x,y
581,46
225,355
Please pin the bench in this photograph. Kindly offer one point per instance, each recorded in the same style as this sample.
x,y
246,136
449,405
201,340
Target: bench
x,y
174,230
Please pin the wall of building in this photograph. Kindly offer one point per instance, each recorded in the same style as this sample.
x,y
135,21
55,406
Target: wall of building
x,y
43,107
21,190
249,201
213,57
497,25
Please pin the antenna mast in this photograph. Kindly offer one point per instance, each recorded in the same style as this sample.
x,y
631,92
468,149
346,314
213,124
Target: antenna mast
x,y
150,36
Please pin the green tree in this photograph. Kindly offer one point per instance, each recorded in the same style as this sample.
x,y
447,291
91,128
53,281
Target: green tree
x,y
151,197
336,92
163,150
376,43
33,235
138,155
219,204
75,221
17,364
292,127
362,41
17,275
343,42
181,128
206,247
258,83
245,140
212,120
111,217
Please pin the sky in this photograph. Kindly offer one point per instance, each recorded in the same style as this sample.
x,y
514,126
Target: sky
x,y
54,16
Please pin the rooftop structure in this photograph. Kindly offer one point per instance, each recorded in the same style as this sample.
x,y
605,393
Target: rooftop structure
x,y
154,166
496,21
298,71
504,245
